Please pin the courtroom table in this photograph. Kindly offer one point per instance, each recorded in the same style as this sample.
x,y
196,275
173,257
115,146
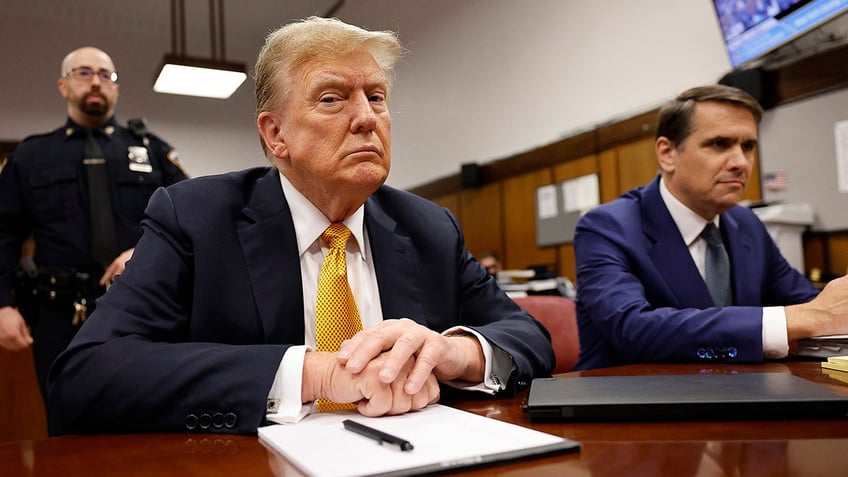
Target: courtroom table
x,y
816,448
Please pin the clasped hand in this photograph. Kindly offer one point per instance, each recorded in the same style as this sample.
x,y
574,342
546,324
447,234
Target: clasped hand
x,y
394,367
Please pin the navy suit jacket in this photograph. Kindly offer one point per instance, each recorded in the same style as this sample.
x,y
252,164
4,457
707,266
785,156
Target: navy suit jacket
x,y
191,335
640,297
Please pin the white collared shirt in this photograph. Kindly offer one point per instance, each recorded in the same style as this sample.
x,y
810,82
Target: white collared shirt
x,y
309,224
690,225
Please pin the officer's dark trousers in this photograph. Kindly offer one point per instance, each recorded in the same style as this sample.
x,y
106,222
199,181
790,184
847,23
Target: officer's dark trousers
x,y
52,331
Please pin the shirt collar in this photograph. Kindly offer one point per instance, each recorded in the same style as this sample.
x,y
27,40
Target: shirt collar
x,y
310,223
688,222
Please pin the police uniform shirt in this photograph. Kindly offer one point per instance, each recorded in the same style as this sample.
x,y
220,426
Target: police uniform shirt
x,y
43,190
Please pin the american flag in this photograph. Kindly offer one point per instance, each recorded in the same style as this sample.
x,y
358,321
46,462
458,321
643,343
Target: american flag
x,y
774,181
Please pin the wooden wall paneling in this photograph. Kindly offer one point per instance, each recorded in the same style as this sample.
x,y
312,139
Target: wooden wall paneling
x,y
637,164
519,206
608,175
837,251
451,202
575,168
754,191
624,159
565,171
482,219
22,413
567,262
807,76
815,255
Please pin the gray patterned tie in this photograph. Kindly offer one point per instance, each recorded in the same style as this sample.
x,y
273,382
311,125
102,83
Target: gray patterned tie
x,y
717,267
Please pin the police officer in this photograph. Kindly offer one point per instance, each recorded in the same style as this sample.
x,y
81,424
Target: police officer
x,y
80,191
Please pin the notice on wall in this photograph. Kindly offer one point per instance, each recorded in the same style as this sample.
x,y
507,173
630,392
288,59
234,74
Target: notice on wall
x,y
581,194
559,207
840,130
546,202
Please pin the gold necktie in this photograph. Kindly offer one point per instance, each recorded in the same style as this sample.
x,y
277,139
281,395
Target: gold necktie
x,y
336,316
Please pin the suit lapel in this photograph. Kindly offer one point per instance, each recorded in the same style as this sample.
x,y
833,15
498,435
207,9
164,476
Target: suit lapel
x,y
269,245
395,262
669,254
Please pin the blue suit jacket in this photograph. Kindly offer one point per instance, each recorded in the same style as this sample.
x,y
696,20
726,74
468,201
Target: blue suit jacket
x,y
197,325
640,297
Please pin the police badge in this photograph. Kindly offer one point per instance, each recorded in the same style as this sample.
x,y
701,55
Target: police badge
x,y
139,161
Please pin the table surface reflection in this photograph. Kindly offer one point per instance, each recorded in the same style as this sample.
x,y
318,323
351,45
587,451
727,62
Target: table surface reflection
x,y
610,449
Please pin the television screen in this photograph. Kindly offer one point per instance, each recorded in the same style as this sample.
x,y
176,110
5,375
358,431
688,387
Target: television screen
x,y
752,28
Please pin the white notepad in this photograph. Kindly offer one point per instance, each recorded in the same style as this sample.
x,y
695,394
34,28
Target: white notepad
x,y
443,438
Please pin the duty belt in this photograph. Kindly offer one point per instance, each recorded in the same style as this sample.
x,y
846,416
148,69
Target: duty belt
x,y
66,285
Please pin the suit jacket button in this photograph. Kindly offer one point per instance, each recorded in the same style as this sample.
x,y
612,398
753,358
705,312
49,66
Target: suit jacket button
x,y
217,420
732,352
191,422
205,421
230,420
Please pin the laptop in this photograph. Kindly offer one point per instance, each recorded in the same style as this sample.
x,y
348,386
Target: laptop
x,y
683,397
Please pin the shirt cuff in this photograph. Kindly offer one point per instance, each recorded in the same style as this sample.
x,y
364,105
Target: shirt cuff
x,y
284,406
775,336
499,365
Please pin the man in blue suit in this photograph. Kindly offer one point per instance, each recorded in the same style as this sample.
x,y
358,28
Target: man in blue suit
x,y
641,261
212,326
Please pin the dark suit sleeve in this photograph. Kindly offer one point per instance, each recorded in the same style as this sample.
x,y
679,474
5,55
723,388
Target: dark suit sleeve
x,y
426,274
487,310
148,359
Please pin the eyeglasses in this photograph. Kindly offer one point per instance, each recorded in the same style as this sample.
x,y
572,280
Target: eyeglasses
x,y
85,73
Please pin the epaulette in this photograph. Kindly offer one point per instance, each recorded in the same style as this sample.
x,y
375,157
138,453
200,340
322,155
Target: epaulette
x,y
39,135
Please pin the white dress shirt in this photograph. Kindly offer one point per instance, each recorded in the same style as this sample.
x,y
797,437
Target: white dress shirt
x,y
690,225
309,224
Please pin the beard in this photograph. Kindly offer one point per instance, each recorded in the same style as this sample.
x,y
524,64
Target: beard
x,y
95,109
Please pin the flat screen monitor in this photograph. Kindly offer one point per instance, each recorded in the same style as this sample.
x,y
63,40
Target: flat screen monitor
x,y
752,28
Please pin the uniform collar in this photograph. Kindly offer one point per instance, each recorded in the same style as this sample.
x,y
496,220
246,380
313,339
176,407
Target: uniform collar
x,y
107,129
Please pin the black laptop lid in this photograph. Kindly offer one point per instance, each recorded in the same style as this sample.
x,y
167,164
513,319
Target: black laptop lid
x,y
683,396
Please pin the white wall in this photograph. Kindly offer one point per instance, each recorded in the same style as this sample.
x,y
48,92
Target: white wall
x,y
483,79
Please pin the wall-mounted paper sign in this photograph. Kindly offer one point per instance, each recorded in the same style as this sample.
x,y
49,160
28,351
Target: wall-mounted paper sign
x,y
559,207
840,130
546,202
580,194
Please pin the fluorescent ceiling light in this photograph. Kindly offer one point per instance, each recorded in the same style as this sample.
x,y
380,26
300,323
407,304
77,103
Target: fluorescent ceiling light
x,y
199,77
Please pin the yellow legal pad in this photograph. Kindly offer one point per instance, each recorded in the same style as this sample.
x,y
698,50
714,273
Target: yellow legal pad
x,y
838,363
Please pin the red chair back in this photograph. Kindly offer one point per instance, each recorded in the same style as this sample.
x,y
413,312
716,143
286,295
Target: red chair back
x,y
559,315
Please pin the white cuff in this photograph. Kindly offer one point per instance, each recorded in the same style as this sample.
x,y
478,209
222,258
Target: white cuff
x,y
775,336
286,391
498,365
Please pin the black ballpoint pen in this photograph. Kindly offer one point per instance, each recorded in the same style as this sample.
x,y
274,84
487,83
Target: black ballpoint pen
x,y
377,435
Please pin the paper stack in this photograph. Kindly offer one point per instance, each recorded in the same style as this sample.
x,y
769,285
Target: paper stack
x,y
838,363
836,367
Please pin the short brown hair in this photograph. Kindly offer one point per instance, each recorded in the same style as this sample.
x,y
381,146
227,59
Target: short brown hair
x,y
675,117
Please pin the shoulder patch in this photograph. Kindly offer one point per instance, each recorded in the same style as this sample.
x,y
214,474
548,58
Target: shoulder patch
x,y
174,158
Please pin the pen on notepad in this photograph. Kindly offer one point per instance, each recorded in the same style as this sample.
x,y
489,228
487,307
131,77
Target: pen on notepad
x,y
377,435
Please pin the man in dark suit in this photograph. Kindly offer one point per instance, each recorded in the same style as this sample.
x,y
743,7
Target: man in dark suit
x,y
642,265
212,326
